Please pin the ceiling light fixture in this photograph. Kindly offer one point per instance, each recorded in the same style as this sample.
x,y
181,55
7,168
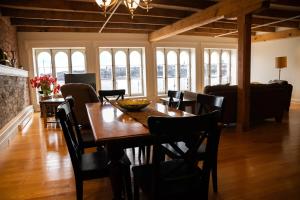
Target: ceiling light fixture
x,y
130,4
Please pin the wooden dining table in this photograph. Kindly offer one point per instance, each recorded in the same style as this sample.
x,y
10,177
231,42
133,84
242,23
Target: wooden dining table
x,y
120,129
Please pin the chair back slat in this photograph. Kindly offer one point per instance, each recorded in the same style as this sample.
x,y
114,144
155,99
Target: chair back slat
x,y
175,98
193,131
208,103
104,94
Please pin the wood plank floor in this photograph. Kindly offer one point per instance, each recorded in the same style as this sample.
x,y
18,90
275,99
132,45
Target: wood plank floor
x,y
263,163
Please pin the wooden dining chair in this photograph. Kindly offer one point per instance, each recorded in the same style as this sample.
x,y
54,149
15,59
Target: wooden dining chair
x,y
105,94
206,104
86,166
181,177
85,134
175,98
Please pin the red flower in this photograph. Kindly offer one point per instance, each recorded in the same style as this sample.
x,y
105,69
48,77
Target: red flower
x,y
46,83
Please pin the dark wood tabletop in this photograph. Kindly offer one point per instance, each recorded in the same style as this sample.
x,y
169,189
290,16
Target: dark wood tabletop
x,y
109,124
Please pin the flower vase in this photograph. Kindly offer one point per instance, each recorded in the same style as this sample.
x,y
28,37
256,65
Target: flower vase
x,y
44,95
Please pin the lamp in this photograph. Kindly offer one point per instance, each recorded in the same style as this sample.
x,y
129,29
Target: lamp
x,y
280,62
130,4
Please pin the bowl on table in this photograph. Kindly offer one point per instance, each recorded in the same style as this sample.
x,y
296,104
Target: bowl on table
x,y
133,104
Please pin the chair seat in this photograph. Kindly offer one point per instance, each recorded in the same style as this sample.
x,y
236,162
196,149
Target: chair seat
x,y
177,179
94,165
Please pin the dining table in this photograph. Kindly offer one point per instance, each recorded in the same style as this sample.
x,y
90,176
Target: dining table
x,y
118,129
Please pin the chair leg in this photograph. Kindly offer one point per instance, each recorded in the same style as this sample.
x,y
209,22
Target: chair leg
x,y
79,190
136,192
214,174
127,181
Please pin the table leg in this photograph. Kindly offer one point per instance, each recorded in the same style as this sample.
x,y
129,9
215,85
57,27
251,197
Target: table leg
x,y
119,172
44,110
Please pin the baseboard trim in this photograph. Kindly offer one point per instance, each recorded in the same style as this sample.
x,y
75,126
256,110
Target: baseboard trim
x,y
8,132
297,101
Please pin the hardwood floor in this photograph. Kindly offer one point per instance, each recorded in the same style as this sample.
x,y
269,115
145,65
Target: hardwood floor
x,y
263,163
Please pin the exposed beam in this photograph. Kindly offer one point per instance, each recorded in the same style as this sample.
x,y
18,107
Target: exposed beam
x,y
86,7
72,29
85,17
55,23
209,15
277,35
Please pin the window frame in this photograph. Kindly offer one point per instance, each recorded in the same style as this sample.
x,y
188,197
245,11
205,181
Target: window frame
x,y
127,51
220,52
165,51
53,52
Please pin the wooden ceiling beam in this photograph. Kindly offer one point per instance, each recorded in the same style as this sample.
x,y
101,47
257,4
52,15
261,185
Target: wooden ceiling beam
x,y
85,17
72,29
78,24
86,7
209,15
277,35
277,13
231,26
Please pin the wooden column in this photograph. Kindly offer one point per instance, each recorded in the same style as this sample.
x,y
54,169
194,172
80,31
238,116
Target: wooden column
x,y
244,61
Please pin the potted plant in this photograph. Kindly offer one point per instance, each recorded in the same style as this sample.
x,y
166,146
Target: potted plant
x,y
46,85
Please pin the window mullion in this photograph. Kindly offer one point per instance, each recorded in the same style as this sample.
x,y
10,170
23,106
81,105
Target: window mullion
x,y
166,71
178,69
209,66
142,71
229,75
220,66
53,65
113,69
128,73
190,71
70,64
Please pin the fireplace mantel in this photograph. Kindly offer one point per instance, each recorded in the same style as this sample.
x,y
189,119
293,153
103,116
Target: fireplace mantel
x,y
11,71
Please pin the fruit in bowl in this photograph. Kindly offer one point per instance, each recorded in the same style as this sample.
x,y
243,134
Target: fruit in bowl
x,y
133,104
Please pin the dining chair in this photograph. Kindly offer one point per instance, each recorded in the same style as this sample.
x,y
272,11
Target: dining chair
x,y
206,104
181,177
86,166
175,98
82,94
84,135
105,94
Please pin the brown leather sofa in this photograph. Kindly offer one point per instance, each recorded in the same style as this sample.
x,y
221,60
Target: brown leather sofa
x,y
266,100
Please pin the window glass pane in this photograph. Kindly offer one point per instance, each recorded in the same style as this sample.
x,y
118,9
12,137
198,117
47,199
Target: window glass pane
x,y
121,70
78,63
214,70
171,70
160,61
184,70
136,72
106,70
61,66
44,63
206,67
225,67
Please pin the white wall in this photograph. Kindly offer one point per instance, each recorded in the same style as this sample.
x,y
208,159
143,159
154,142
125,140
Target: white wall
x,y
92,41
263,62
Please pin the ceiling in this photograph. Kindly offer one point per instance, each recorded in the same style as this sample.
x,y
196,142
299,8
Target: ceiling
x,y
87,16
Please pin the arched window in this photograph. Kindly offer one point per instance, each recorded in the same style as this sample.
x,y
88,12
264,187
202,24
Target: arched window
x,y
184,70
214,68
172,70
121,70
78,62
44,64
136,72
106,70
160,62
225,70
61,66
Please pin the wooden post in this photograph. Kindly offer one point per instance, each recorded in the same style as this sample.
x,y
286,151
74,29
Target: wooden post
x,y
244,64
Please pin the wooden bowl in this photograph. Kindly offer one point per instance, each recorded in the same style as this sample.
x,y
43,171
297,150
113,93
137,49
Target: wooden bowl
x,y
133,104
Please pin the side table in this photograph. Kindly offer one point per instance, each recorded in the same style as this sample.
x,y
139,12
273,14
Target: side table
x,y
49,106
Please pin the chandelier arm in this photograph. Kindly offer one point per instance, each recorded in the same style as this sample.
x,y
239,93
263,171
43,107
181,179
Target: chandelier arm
x,y
111,14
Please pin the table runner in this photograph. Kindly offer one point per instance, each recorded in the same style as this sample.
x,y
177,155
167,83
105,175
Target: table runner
x,y
142,115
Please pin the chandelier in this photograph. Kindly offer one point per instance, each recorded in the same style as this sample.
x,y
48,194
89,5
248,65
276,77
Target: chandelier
x,y
130,4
